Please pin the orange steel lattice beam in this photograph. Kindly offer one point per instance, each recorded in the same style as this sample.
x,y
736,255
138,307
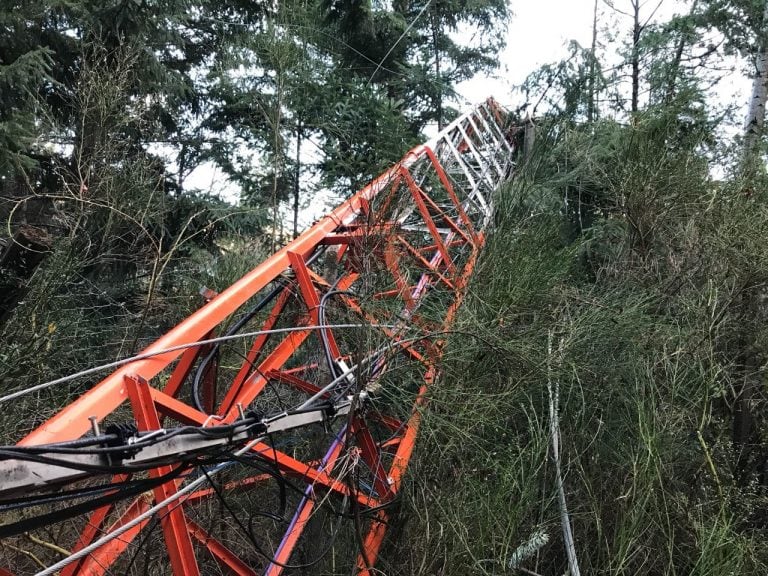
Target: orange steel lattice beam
x,y
395,257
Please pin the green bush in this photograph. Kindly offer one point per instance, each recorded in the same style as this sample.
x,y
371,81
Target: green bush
x,y
642,302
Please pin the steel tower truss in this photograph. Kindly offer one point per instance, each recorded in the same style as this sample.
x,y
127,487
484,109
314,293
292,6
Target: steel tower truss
x,y
350,319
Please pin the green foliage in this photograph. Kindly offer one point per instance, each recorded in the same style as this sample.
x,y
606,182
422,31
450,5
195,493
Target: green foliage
x,y
739,21
647,316
19,81
412,50
106,108
618,267
367,135
564,87
441,59
129,257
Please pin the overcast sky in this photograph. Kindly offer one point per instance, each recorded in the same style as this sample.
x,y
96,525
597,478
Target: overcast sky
x,y
540,31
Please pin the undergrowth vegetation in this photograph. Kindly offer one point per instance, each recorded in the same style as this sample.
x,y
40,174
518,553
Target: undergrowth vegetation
x,y
639,303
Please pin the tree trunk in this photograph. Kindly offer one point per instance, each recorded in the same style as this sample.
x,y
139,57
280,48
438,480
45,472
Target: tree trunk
x,y
674,70
592,105
277,162
529,138
753,128
748,424
675,67
297,179
439,80
636,30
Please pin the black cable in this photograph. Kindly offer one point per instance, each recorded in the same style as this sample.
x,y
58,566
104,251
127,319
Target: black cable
x,y
39,500
222,431
281,482
42,454
234,329
323,327
122,491
222,454
156,519
196,400
6,454
32,523
148,532
253,460
252,366
247,530
81,442
271,470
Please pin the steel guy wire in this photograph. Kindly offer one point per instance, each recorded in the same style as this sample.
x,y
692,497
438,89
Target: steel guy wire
x,y
153,354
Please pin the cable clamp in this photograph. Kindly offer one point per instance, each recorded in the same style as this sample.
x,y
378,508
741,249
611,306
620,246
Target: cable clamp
x,y
329,412
125,435
259,427
362,397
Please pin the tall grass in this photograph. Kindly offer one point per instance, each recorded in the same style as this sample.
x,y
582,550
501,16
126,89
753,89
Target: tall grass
x,y
652,296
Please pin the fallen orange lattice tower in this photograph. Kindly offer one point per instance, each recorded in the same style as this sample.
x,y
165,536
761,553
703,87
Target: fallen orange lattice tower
x,y
392,262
